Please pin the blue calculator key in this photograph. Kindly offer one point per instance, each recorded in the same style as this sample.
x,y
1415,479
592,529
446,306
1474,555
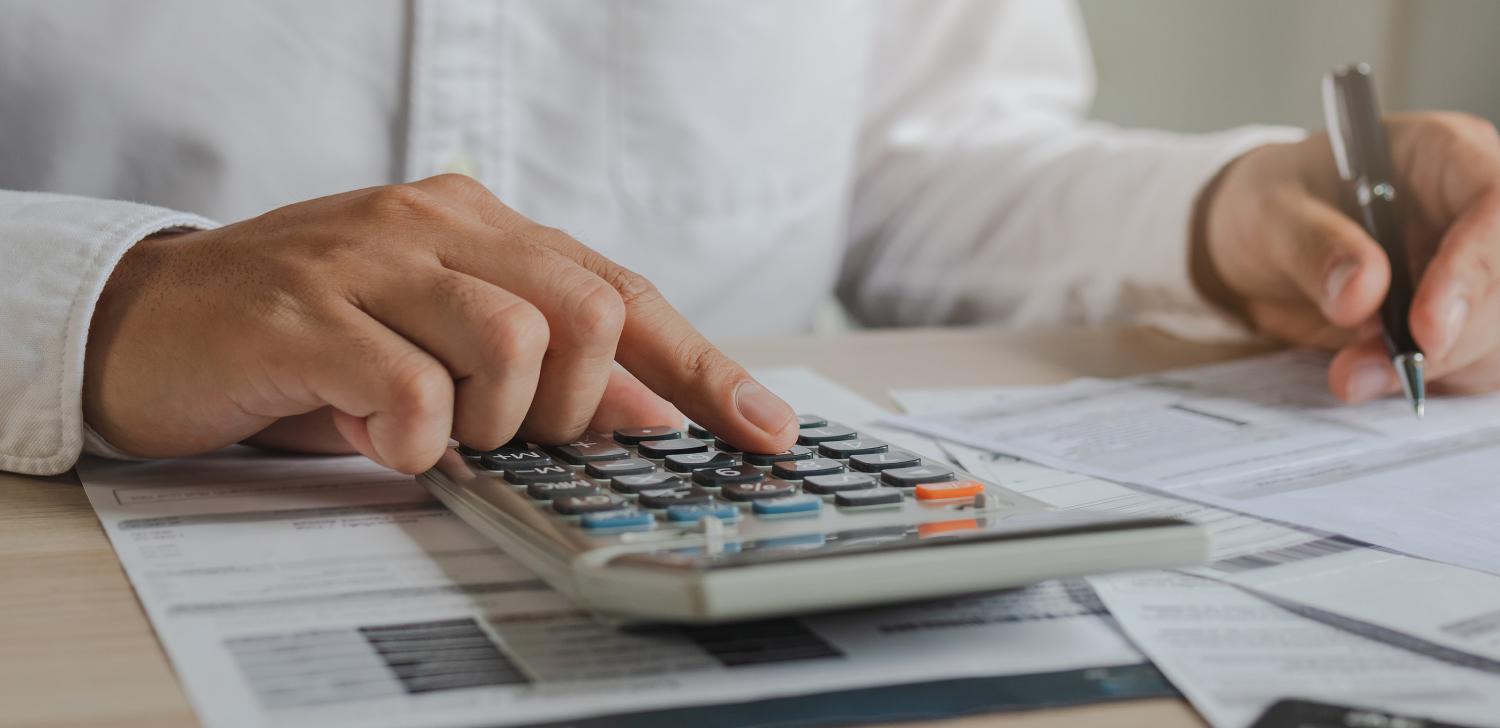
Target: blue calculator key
x,y
606,469
816,435
627,519
837,483
841,449
574,505
637,435
795,452
629,484
695,512
548,473
811,421
877,461
688,462
658,449
799,469
793,505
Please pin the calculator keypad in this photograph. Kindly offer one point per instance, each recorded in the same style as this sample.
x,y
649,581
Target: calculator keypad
x,y
645,478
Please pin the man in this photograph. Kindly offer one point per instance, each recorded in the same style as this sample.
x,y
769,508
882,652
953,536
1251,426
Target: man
x,y
924,160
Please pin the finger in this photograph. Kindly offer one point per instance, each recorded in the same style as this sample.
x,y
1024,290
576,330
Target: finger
x,y
313,432
492,343
628,403
394,401
1334,263
1302,325
1459,280
1481,375
1362,371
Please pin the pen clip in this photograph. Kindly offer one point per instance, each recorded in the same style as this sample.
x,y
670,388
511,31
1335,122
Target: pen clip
x,y
1354,127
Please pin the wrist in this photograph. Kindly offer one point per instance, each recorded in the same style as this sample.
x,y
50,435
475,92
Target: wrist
x,y
1203,266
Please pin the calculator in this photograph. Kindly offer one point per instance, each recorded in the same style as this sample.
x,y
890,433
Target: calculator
x,y
660,524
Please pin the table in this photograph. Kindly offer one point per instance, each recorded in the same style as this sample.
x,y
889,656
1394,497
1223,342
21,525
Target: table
x,y
76,648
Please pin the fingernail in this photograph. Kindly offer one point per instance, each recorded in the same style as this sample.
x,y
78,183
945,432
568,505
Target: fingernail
x,y
1337,280
1457,312
763,409
1370,380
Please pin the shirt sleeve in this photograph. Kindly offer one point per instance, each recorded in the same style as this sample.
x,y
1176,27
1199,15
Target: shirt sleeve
x,y
57,253
984,195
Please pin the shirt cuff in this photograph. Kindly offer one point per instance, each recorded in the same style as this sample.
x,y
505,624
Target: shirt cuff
x,y
64,250
1182,310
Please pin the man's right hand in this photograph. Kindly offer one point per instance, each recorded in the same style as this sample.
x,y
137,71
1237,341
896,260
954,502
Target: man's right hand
x,y
397,317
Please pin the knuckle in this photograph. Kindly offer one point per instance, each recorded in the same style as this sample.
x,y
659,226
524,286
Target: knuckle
x,y
634,289
517,331
459,183
421,387
598,311
402,202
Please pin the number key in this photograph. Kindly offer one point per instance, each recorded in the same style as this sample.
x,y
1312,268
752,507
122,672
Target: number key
x,y
771,488
719,477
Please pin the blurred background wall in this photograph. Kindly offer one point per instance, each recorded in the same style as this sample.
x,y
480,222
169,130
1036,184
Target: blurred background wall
x,y
1196,65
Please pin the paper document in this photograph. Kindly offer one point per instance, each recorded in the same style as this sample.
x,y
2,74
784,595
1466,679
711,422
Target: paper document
x,y
1233,655
305,591
1262,436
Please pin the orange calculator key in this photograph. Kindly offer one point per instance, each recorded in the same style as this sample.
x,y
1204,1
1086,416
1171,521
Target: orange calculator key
x,y
949,490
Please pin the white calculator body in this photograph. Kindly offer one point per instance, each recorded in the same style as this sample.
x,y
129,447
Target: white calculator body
x,y
657,524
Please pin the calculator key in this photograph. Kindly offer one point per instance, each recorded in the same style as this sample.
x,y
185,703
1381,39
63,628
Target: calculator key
x,y
667,497
470,453
869,497
573,505
688,462
637,435
837,483
606,469
698,511
877,461
723,445
630,484
719,477
625,519
771,488
589,448
841,449
811,421
548,491
949,490
799,469
816,435
507,458
796,452
696,430
658,449
911,477
798,505
550,473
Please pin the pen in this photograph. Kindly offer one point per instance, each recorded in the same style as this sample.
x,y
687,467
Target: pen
x,y
1364,161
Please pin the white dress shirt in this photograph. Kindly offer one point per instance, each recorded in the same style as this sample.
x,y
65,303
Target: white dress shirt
x,y
924,161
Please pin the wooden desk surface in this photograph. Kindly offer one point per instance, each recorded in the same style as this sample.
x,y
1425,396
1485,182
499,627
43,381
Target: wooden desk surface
x,y
76,649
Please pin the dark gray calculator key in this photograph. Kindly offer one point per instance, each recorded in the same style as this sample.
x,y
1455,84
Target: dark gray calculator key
x,y
637,435
817,435
867,497
685,496
719,477
877,461
688,462
769,488
606,469
837,483
573,505
548,491
631,484
549,473
811,421
506,459
658,449
799,469
587,449
470,453
696,430
912,477
723,446
842,449
795,452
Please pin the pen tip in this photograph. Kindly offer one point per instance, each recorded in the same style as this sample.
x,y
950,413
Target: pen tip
x,y
1420,408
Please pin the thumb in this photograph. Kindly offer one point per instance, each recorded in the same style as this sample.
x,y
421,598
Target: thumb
x,y
1334,263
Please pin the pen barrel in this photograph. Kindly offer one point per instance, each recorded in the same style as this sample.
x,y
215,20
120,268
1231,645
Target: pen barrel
x,y
1381,215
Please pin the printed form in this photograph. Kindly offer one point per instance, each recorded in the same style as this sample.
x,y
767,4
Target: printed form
x,y
305,591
